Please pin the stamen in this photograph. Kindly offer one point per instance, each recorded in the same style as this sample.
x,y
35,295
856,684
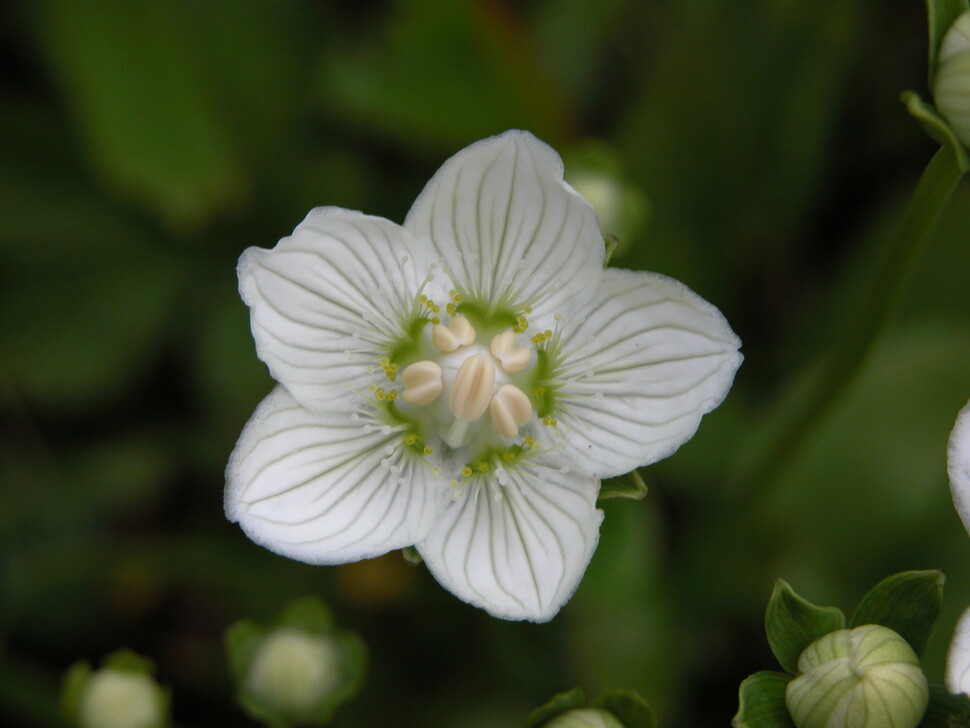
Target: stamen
x,y
513,358
458,333
422,382
510,408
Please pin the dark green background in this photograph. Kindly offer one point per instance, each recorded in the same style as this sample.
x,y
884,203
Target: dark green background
x,y
144,145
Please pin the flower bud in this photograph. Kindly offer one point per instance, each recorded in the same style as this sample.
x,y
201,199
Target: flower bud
x,y
122,694
867,677
293,670
951,87
585,718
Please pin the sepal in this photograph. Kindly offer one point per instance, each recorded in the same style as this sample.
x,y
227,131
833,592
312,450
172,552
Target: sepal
x,y
936,127
761,702
624,708
907,603
946,710
298,670
557,704
793,623
629,486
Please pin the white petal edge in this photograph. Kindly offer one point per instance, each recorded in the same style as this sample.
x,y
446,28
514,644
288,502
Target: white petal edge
x,y
327,300
649,359
958,465
319,487
958,657
517,550
507,226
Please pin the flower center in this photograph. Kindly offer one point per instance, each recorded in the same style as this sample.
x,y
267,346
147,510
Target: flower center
x,y
475,379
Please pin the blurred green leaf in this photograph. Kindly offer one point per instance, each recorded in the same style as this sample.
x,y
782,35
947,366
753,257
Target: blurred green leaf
x,y
146,115
761,702
793,623
445,74
908,603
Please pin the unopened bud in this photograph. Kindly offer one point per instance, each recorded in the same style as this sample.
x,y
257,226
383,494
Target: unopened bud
x,y
585,718
867,677
292,671
951,87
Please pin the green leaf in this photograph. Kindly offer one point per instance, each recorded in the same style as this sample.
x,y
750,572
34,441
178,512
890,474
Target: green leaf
x,y
941,15
936,126
149,120
761,702
632,710
630,486
792,624
557,705
946,710
908,603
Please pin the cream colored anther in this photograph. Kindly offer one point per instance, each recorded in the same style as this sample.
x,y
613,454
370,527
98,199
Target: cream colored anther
x,y
510,408
513,358
458,333
422,382
473,388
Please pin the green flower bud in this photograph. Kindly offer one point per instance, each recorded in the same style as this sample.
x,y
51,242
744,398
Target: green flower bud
x,y
292,670
867,677
585,718
951,87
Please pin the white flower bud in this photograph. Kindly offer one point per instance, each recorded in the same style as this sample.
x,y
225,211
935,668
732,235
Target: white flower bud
x,y
867,677
293,671
120,699
951,87
585,718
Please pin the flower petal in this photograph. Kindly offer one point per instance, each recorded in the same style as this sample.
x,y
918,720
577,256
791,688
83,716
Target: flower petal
x,y
958,658
330,300
509,229
517,550
322,488
958,466
639,372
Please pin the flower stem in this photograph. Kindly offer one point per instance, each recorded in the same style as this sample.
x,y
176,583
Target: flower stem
x,y
803,404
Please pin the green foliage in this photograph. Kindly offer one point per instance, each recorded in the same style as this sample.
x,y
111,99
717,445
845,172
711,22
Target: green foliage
x,y
793,623
761,702
632,710
907,603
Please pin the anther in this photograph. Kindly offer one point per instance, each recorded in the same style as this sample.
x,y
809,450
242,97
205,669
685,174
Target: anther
x,y
510,408
422,382
473,388
458,333
513,358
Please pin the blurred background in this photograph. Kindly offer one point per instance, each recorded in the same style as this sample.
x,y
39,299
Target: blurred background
x,y
756,151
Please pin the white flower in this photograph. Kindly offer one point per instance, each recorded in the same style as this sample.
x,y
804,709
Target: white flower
x,y
460,383
958,467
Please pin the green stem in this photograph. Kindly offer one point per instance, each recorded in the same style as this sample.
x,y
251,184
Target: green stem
x,y
802,409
